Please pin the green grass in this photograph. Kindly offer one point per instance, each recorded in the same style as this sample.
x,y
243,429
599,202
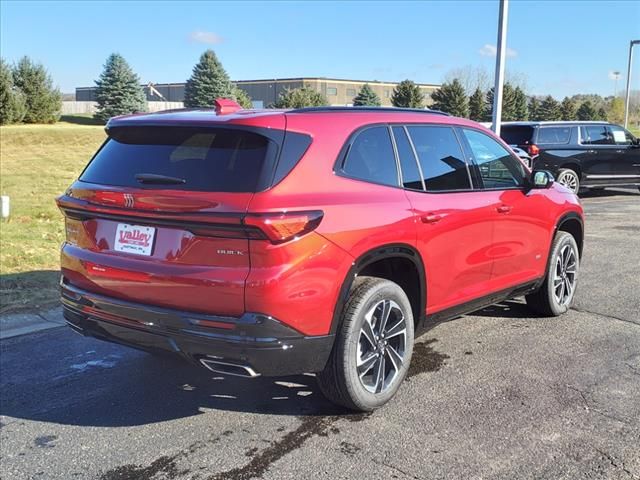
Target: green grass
x,y
37,163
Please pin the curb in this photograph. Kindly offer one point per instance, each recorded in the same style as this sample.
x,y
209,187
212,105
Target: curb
x,y
24,323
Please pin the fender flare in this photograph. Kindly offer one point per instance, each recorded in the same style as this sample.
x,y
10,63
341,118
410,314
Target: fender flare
x,y
395,250
563,219
571,216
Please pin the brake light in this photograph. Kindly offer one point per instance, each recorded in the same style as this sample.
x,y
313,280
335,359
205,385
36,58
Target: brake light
x,y
533,149
282,227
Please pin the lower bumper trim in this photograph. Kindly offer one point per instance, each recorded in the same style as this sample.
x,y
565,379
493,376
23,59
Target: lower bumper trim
x,y
248,346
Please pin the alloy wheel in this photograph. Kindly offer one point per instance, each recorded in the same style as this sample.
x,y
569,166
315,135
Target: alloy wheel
x,y
381,346
565,275
569,179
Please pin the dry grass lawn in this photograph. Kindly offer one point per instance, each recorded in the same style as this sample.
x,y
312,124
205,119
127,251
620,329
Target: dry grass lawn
x,y
37,163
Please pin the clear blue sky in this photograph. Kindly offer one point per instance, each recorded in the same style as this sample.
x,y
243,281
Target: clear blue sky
x,y
563,47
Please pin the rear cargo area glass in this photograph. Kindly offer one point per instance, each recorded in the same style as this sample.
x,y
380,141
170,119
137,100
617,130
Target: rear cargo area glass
x,y
516,135
207,159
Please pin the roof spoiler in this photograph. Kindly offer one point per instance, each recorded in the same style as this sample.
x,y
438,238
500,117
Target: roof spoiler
x,y
226,106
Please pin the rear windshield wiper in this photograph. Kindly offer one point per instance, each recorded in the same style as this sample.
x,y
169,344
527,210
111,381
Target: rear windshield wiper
x,y
154,179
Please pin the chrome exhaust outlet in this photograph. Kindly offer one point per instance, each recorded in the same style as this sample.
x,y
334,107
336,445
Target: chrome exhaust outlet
x,y
226,368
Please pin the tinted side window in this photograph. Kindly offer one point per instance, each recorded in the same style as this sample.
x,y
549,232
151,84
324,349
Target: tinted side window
x,y
620,135
596,135
371,157
441,159
554,135
411,177
498,168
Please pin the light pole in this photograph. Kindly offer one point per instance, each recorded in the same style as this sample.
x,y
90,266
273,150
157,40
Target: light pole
x,y
626,101
616,76
500,56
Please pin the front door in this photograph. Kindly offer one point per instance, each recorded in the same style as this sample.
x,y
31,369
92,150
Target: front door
x,y
627,156
520,233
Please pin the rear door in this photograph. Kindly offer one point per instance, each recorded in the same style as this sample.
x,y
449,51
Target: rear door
x,y
156,217
454,231
598,154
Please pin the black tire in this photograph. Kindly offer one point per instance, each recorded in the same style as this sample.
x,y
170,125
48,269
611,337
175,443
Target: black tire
x,y
340,381
545,301
570,179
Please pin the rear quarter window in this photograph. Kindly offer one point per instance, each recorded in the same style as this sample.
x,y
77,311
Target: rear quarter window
x,y
207,159
371,158
554,135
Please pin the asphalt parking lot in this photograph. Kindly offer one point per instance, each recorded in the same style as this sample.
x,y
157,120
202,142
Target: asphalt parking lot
x,y
495,394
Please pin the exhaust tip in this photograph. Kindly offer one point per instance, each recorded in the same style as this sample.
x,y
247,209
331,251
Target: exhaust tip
x,y
226,368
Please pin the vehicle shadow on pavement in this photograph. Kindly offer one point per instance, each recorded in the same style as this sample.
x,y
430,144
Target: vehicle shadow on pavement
x,y
115,386
616,192
506,309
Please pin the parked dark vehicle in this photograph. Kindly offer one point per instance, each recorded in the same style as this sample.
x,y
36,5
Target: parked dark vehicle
x,y
591,155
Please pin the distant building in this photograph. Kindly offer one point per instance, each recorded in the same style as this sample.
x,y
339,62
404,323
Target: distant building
x,y
264,93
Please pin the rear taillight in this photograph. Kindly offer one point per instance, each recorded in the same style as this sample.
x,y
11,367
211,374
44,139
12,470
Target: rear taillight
x,y
533,149
282,227
73,229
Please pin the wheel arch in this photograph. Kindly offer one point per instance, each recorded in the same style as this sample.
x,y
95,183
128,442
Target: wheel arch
x,y
572,165
572,223
386,254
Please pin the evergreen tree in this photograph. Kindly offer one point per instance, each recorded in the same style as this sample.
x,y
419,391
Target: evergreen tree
x,y
476,105
12,108
366,97
602,114
534,109
208,82
241,97
300,98
521,109
616,110
451,98
567,109
549,109
408,95
508,104
42,101
586,111
118,90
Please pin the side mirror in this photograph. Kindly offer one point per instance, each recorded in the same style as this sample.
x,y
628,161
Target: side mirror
x,y
635,142
541,179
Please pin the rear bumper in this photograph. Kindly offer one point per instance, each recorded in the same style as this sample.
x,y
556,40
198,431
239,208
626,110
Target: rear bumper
x,y
251,345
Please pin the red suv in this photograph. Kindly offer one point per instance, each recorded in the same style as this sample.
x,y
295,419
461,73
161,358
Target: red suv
x,y
270,242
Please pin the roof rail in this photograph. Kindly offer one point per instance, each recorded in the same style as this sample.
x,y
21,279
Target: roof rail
x,y
366,109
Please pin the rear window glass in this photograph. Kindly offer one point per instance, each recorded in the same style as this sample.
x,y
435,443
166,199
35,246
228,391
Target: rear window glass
x,y
516,135
207,159
596,135
411,177
441,159
554,135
